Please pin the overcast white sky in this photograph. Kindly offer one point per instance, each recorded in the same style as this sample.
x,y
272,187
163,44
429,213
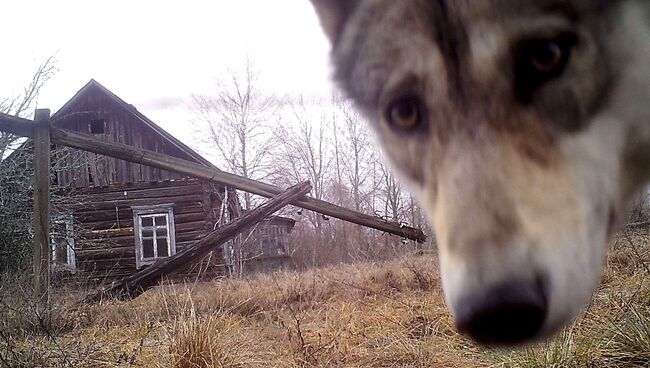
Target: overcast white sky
x,y
154,54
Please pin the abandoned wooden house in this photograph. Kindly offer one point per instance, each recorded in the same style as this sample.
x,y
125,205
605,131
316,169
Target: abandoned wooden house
x,y
265,248
124,216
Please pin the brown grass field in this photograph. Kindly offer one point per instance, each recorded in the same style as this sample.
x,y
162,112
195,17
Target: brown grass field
x,y
364,315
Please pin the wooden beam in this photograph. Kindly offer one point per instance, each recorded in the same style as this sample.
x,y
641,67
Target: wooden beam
x,y
635,225
17,126
136,284
155,159
41,241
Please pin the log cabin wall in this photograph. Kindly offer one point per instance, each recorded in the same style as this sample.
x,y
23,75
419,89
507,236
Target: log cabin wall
x,y
105,242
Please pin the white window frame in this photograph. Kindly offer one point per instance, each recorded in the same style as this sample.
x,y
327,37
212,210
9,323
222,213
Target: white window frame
x,y
71,262
140,212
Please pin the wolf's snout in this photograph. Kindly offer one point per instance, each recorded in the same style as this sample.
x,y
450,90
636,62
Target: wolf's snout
x,y
507,314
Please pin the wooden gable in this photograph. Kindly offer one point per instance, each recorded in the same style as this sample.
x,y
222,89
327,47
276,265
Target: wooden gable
x,y
97,111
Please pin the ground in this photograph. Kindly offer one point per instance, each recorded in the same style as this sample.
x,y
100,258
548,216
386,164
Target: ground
x,y
387,314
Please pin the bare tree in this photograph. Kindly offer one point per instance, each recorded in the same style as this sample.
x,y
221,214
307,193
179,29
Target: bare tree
x,y
22,104
16,172
353,186
332,147
360,151
393,209
304,150
235,120
304,154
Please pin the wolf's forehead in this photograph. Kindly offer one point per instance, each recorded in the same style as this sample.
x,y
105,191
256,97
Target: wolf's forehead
x,y
382,34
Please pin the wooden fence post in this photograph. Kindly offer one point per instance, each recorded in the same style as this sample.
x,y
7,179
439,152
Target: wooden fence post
x,y
41,240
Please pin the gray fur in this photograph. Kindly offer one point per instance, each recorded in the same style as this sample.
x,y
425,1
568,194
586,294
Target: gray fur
x,y
519,178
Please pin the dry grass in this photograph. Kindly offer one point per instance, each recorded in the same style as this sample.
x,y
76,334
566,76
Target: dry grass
x,y
213,340
614,331
366,315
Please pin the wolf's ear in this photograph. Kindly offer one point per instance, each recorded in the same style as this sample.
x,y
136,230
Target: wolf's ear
x,y
333,14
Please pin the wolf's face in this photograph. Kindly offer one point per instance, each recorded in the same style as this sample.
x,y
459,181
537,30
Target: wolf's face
x,y
522,126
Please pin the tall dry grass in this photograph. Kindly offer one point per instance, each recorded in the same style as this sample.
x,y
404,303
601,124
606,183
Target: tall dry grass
x,y
386,314
614,331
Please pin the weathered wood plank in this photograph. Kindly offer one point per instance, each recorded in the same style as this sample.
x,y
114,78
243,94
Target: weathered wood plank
x,y
107,253
137,202
17,126
128,231
122,165
90,215
107,233
120,187
182,236
128,221
134,285
95,265
152,192
41,242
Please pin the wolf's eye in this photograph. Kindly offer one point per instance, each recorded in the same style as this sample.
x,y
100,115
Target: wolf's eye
x,y
545,59
547,56
540,60
405,113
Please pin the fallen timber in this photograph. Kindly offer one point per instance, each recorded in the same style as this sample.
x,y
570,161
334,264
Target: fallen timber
x,y
136,284
25,127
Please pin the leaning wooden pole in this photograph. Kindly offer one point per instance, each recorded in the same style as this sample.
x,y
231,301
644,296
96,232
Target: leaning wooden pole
x,y
85,142
41,241
162,161
134,285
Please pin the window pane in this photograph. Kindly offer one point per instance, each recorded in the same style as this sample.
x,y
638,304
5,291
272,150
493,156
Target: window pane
x,y
147,233
147,221
161,233
147,248
161,220
162,247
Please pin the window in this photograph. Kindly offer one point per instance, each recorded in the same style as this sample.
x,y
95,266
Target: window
x,y
62,243
97,126
154,233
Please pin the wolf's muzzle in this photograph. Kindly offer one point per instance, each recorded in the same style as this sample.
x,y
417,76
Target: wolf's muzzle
x,y
509,313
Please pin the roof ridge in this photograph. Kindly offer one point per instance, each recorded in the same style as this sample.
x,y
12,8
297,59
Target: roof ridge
x,y
144,119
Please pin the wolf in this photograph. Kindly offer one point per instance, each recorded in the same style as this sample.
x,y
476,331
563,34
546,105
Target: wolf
x,y
521,126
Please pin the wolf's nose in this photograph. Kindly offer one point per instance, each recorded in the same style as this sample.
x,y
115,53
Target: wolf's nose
x,y
507,314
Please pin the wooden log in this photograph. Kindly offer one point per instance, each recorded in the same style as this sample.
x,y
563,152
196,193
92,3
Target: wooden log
x,y
99,265
106,253
136,284
92,215
128,221
155,159
136,186
636,225
153,192
99,205
41,241
17,126
128,231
